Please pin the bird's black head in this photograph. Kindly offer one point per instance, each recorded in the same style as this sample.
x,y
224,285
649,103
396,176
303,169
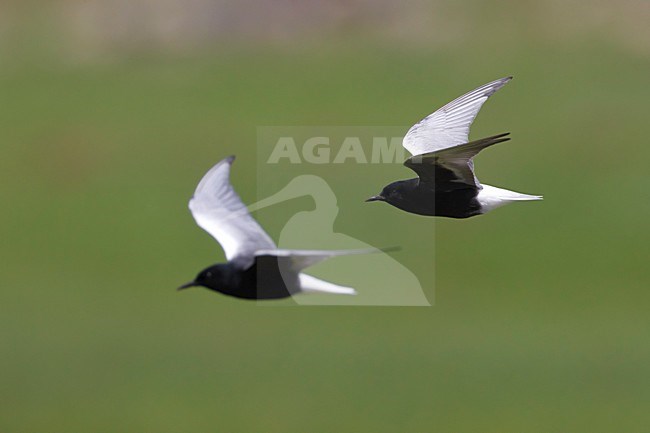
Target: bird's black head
x,y
391,193
216,277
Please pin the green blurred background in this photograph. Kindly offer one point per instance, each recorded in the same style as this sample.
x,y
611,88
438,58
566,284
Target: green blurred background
x,y
113,110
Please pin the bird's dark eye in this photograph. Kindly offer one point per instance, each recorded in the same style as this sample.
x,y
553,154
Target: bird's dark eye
x,y
208,274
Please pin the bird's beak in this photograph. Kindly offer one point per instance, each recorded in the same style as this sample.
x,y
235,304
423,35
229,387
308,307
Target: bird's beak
x,y
376,198
187,285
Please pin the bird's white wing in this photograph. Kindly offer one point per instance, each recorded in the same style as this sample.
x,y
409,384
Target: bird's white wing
x,y
297,260
449,126
218,210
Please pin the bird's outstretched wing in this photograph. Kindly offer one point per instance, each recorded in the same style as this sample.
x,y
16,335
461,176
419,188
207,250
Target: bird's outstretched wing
x,y
218,210
452,168
449,126
297,260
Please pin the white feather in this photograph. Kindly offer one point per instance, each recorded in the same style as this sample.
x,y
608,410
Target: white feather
x,y
218,210
491,197
311,284
449,125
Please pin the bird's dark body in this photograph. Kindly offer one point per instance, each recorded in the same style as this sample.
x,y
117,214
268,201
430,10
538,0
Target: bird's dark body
x,y
446,185
423,198
266,278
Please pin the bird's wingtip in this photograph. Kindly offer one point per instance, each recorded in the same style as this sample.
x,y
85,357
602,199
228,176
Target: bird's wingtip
x,y
230,159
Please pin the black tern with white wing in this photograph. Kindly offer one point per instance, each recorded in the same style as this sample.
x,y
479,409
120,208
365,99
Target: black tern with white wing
x,y
443,160
256,268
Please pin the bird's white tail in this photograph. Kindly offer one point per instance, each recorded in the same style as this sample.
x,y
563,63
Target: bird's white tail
x,y
311,284
492,197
